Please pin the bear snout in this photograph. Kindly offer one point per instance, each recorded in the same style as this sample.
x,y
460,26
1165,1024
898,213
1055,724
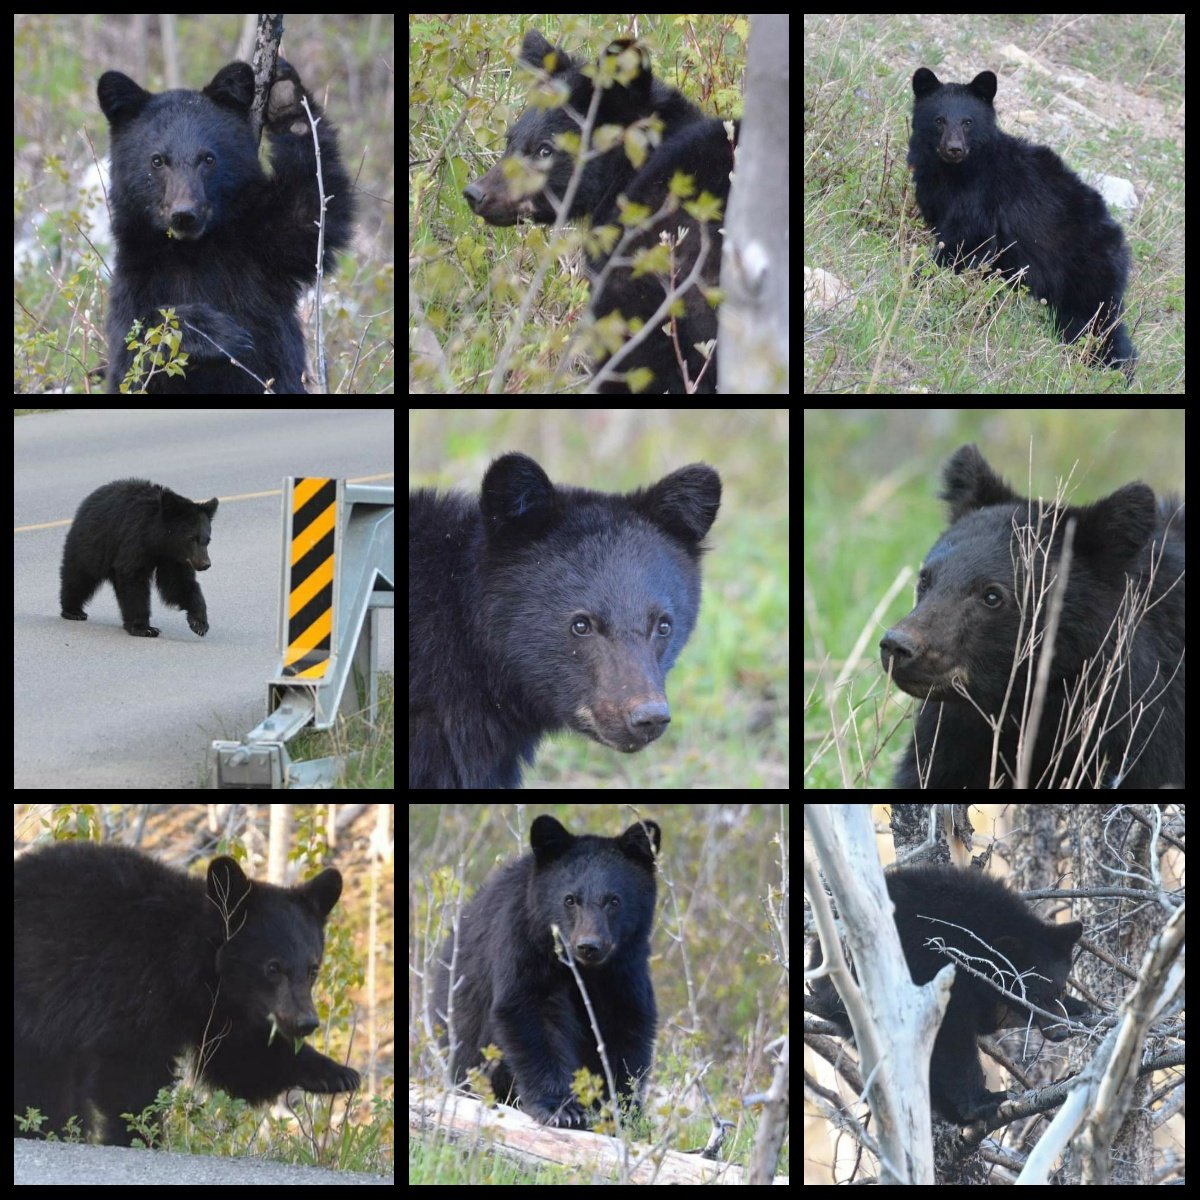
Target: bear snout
x,y
918,666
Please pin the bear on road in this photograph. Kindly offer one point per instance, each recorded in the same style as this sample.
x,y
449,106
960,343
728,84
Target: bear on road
x,y
128,531
512,990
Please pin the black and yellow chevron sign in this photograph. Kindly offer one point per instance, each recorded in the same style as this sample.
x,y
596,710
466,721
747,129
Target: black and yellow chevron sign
x,y
310,591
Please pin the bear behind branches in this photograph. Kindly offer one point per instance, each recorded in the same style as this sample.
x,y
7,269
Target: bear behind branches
x,y
1113,714
511,990
201,228
940,908
641,168
122,965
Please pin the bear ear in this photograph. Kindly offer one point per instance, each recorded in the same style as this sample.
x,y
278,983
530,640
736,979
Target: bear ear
x,y
233,88
120,98
971,483
539,54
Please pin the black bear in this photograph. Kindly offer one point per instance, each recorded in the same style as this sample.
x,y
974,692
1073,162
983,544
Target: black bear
x,y
122,964
635,169
127,531
987,924
533,608
994,199
201,229
512,990
1113,713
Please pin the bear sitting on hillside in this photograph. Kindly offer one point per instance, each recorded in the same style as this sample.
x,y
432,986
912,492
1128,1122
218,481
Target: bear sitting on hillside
x,y
981,919
511,990
533,608
1113,714
122,965
200,228
535,186
128,531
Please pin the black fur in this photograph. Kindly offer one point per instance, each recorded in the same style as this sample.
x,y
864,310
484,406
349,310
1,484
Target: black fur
x,y
122,965
690,143
128,531
199,227
996,199
513,992
534,608
1114,710
1039,950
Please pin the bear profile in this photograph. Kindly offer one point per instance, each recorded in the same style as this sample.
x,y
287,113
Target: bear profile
x,y
964,910
122,965
641,172
128,531
569,606
510,989
1113,714
200,228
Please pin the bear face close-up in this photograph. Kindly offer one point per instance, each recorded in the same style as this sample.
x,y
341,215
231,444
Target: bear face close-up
x,y
1113,713
567,609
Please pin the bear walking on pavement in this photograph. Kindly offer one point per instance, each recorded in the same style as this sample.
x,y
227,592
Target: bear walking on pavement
x,y
127,531
200,228
123,965
630,287
510,988
533,608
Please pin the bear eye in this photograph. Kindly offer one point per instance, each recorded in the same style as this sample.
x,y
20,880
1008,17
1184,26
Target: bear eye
x,y
545,150
581,627
665,628
993,597
156,160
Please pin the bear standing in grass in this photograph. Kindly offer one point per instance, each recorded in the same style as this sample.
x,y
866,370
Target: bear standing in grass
x,y
122,965
202,229
534,186
995,199
512,991
1113,715
533,608
125,532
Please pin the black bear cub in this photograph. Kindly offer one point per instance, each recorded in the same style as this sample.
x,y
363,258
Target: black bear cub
x,y
202,229
127,531
568,608
535,186
511,989
1114,711
1113,715
995,199
944,902
123,965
